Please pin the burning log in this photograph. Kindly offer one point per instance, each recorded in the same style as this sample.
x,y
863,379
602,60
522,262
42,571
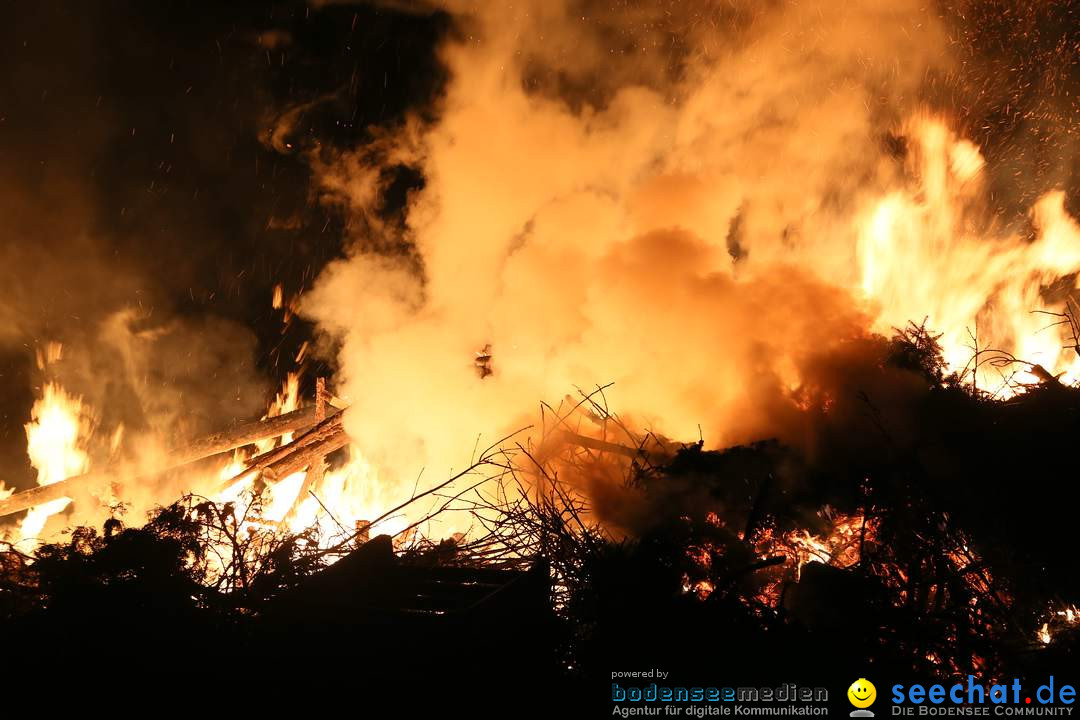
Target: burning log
x,y
44,493
318,442
237,436
245,434
605,446
317,471
323,440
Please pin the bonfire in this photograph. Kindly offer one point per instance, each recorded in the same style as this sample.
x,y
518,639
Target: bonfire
x,y
733,341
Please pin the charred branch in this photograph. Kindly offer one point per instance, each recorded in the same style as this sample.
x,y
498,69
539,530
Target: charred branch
x,y
605,446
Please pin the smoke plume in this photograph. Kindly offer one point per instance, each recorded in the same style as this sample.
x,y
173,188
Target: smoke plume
x,y
661,199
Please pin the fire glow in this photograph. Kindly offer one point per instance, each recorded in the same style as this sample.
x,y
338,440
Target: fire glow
x,y
658,241
917,255
929,252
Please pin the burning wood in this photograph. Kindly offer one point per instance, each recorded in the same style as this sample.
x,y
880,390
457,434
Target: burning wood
x,y
210,445
317,443
317,470
637,453
309,445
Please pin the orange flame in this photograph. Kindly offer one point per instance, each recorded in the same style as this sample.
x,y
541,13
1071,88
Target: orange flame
x,y
56,443
927,252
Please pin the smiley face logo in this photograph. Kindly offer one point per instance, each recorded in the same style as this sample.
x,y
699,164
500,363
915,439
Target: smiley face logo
x,y
862,693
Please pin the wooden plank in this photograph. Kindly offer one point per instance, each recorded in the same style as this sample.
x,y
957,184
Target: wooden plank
x,y
237,436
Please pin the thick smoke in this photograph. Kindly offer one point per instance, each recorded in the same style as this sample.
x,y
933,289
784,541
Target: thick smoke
x,y
661,199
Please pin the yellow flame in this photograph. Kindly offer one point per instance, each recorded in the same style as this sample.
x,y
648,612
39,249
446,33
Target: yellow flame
x,y
56,440
922,253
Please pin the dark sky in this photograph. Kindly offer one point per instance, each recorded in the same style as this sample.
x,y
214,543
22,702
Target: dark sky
x,y
133,168
150,115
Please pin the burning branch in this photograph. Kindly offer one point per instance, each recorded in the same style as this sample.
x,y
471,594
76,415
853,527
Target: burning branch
x,y
319,441
605,446
210,445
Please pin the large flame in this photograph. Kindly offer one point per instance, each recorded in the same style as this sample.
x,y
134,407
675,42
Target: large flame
x,y
336,503
56,436
928,251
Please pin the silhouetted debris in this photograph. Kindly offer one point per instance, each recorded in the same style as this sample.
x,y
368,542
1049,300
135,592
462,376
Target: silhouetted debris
x,y
942,550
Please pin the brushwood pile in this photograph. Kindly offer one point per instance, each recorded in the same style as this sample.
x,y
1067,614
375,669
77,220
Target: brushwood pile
x,y
957,556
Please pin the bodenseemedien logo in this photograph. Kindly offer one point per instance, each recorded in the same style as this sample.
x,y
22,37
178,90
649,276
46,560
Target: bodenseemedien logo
x,y
683,701
862,694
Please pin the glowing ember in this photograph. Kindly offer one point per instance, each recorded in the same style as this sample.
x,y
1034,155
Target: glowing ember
x,y
703,589
1061,619
840,548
